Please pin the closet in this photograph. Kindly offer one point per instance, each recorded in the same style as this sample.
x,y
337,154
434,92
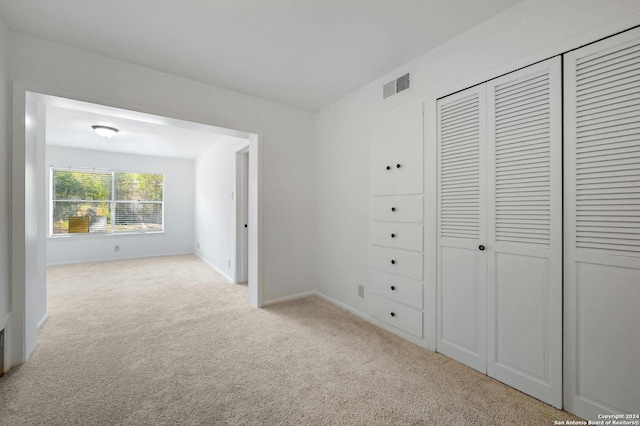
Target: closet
x,y
602,227
499,248
538,227
396,231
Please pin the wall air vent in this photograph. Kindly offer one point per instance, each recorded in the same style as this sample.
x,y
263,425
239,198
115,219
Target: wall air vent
x,y
396,86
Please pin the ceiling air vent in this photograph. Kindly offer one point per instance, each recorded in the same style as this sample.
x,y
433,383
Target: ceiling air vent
x,y
396,86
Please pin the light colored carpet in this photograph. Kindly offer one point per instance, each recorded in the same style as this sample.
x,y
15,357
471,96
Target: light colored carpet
x,y
169,341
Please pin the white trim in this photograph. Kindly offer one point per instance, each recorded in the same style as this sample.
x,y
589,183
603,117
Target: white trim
x,y
120,258
430,225
99,235
387,327
21,334
344,306
289,298
215,268
43,321
400,333
255,236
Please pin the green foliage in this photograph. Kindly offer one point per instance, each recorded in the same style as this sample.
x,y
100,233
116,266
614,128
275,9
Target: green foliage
x,y
87,193
62,210
75,185
139,186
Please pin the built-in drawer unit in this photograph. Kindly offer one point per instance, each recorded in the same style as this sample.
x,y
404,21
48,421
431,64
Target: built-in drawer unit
x,y
396,314
399,235
396,287
396,235
397,208
402,262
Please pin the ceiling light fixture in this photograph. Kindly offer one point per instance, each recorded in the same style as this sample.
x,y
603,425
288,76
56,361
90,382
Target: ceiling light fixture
x,y
105,131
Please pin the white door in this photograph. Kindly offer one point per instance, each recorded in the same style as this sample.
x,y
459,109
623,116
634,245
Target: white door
x,y
242,216
396,151
602,227
408,157
245,217
500,229
524,230
461,271
382,170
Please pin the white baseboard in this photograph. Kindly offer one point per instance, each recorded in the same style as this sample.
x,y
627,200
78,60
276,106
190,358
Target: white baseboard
x,y
215,268
415,340
42,322
115,259
289,298
344,306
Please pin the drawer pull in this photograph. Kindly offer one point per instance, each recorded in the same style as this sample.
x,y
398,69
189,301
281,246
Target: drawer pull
x,y
398,166
393,262
393,235
388,167
393,209
393,314
393,287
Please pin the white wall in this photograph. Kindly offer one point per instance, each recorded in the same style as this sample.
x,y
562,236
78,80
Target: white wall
x,y
178,209
5,162
528,32
215,210
286,139
34,225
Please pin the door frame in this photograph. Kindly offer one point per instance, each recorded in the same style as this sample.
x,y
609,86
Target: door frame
x,y
28,239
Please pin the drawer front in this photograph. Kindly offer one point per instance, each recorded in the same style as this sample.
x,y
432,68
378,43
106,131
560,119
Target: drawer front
x,y
397,208
400,316
400,235
398,288
397,261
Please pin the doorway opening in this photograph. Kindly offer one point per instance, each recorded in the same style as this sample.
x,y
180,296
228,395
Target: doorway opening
x,y
31,189
242,215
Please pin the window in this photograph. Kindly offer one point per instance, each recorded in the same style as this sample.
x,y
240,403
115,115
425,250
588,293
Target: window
x,y
105,202
138,204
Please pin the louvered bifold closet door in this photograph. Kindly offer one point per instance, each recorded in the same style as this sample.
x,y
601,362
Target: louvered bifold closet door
x,y
602,227
524,235
461,272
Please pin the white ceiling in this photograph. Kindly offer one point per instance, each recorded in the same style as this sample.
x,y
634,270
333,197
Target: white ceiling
x,y
68,124
303,53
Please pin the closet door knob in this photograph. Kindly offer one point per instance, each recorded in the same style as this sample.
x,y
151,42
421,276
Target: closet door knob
x,y
393,209
398,166
393,287
393,235
393,262
388,167
393,314
481,247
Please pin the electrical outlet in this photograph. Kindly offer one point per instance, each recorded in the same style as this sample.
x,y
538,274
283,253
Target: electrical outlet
x,y
116,248
361,290
198,245
229,264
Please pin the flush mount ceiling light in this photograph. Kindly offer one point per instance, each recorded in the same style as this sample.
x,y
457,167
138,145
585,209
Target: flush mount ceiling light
x,y
105,131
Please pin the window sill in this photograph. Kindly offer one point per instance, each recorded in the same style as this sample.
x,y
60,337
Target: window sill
x,y
99,235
